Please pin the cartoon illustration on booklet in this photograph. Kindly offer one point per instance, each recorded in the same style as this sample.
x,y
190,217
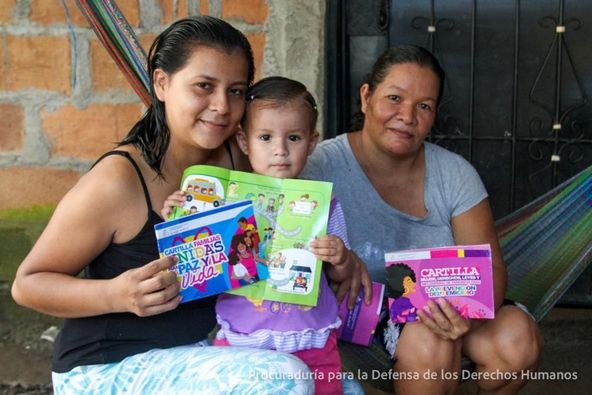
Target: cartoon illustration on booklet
x,y
288,214
213,250
460,274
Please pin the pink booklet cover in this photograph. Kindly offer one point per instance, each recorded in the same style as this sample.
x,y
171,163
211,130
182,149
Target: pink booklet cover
x,y
359,323
460,274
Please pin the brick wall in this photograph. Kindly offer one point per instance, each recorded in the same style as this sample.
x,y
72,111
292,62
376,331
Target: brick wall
x,y
63,101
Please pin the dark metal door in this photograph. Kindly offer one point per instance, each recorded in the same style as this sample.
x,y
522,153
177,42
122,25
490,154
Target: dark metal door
x,y
519,73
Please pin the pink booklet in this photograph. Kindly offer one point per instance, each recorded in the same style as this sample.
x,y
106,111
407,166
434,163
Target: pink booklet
x,y
358,324
460,274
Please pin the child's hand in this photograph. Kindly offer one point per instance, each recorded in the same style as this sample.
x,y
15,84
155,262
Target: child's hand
x,y
330,249
177,199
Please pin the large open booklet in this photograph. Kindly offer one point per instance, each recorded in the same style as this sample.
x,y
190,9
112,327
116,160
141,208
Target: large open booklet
x,y
289,213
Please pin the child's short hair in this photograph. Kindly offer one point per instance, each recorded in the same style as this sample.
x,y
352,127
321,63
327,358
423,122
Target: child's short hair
x,y
281,90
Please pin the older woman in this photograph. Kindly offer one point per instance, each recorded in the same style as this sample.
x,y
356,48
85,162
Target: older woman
x,y
400,192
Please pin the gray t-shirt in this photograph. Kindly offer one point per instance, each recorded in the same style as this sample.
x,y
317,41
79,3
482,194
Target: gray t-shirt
x,y
452,186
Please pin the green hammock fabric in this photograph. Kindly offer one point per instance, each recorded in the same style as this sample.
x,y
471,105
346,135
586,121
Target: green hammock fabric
x,y
551,246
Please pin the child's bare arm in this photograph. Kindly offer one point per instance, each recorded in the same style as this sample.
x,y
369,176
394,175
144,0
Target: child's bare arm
x,y
332,250
177,199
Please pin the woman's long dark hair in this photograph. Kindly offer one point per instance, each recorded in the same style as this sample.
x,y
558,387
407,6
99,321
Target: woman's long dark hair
x,y
169,52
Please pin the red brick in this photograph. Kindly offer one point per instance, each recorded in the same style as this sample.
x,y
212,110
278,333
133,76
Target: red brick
x,y
28,186
45,12
11,128
105,73
168,12
183,10
3,63
40,62
87,133
204,7
131,11
49,12
254,11
6,11
146,41
257,41
166,8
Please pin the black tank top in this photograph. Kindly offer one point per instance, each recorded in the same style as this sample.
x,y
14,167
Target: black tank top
x,y
112,337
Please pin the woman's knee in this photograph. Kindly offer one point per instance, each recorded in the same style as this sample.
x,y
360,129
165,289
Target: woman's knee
x,y
517,341
421,349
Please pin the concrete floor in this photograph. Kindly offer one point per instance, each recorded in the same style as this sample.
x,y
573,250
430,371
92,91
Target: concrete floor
x,y
567,332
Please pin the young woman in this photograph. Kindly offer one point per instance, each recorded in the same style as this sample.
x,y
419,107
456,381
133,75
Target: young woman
x,y
125,330
417,194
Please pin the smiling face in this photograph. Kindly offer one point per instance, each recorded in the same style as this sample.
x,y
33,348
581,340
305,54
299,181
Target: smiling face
x,y
401,110
278,137
408,285
248,241
241,247
204,100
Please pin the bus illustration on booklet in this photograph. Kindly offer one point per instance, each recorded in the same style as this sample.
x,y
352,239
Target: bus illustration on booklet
x,y
212,251
460,274
288,214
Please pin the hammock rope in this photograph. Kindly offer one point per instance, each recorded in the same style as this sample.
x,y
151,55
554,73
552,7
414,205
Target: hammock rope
x,y
120,41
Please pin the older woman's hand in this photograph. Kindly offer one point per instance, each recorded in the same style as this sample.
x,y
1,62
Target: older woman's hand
x,y
443,320
359,277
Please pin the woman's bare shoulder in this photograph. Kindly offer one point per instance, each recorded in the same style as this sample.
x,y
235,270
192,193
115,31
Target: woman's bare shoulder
x,y
108,192
114,176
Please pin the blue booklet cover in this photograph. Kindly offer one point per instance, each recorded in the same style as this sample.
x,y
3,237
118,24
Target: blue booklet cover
x,y
213,249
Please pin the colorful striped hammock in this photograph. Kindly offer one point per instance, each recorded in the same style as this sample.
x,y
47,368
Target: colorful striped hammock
x,y
546,244
119,40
